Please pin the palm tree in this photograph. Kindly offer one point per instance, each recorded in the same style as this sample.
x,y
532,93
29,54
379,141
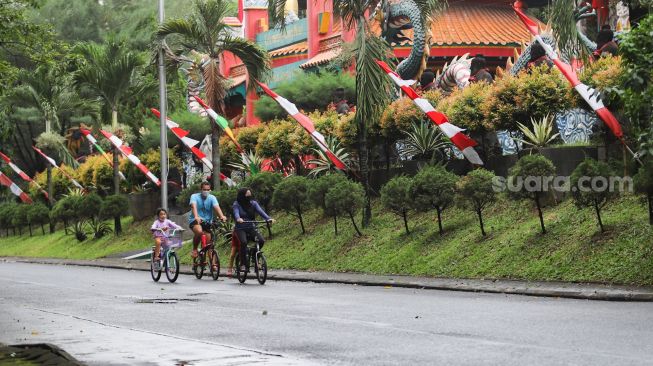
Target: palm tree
x,y
205,32
372,85
109,70
48,94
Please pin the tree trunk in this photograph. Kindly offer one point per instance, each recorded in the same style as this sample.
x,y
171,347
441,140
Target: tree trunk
x,y
363,154
404,214
42,229
353,221
301,220
650,209
117,225
65,226
480,220
439,211
539,212
215,156
335,223
117,228
387,154
29,224
50,186
269,229
598,216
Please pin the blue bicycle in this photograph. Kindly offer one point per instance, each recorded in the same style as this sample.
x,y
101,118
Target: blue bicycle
x,y
169,261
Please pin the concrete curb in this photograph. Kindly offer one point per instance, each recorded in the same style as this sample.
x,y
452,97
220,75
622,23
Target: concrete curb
x,y
510,287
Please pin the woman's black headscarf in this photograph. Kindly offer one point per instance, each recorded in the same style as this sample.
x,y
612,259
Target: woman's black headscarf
x,y
245,202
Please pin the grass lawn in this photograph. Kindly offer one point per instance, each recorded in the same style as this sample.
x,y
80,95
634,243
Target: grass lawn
x,y
572,250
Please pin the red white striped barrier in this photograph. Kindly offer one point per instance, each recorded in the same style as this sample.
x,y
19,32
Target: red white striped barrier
x,y
127,152
454,133
22,174
306,123
15,189
54,165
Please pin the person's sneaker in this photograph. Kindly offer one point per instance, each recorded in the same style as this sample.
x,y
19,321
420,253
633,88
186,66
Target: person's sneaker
x,y
243,269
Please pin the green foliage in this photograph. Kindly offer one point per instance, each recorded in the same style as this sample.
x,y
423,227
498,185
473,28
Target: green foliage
x,y
38,214
262,186
530,166
542,133
275,140
226,198
114,205
64,210
309,91
318,188
346,130
88,206
197,126
464,107
636,49
605,75
152,160
323,165
291,196
476,191
395,196
6,214
20,216
424,141
643,180
588,193
401,114
61,183
183,200
345,197
534,94
433,187
535,169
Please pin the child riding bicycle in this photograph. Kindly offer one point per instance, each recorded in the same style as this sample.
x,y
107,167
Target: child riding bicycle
x,y
161,226
245,209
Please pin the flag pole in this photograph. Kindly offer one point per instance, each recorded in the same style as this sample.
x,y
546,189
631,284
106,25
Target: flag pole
x,y
163,109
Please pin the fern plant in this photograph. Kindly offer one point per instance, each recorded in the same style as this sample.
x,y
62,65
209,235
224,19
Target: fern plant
x,y
423,141
322,164
248,163
542,133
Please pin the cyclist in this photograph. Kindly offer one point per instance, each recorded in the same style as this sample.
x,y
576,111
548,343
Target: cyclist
x,y
245,209
160,224
203,205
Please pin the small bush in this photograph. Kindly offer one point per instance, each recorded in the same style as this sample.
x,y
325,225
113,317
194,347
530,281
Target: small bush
x,y
395,196
115,206
262,186
6,216
226,198
291,195
592,195
476,191
527,168
433,188
39,214
345,197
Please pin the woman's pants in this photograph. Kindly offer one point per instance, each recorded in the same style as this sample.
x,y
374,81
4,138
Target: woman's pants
x,y
244,235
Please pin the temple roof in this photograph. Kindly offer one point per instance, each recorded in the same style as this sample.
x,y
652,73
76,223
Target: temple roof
x,y
474,24
293,49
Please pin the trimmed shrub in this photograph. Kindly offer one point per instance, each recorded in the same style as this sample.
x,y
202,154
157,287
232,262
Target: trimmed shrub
x,y
38,214
643,181
226,198
477,192
395,196
318,189
152,160
588,193
464,107
115,206
345,197
6,216
531,168
433,188
291,195
19,218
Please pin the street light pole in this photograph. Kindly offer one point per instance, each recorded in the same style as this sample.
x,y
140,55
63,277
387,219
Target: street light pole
x,y
162,108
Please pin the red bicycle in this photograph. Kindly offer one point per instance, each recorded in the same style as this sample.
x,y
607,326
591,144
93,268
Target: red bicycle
x,y
207,256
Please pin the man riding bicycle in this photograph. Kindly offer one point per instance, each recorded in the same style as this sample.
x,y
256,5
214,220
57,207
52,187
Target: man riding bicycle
x,y
245,210
203,205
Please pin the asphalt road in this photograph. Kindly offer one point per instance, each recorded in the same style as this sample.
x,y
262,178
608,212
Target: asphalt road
x,y
107,316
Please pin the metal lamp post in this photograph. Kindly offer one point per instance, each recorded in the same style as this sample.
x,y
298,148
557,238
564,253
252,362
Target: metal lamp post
x,y
162,108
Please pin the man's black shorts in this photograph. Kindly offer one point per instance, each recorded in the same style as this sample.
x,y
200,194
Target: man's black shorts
x,y
205,225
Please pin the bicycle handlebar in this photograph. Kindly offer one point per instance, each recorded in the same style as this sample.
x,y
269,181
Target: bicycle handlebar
x,y
255,222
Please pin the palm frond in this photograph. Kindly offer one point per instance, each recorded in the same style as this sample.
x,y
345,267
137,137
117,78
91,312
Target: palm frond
x,y
322,163
276,12
255,58
563,22
244,163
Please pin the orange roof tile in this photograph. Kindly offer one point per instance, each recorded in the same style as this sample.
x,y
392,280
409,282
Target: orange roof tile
x,y
468,24
236,80
321,58
296,48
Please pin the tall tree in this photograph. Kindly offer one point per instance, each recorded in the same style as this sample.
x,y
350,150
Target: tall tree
x,y
205,32
110,71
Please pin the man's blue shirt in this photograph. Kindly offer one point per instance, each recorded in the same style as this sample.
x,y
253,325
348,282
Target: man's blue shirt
x,y
204,207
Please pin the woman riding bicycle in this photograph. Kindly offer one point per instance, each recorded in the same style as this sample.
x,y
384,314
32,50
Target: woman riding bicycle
x,y
245,209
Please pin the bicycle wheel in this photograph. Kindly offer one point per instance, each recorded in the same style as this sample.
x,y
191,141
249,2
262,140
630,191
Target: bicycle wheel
x,y
172,267
198,268
214,264
242,276
261,267
156,274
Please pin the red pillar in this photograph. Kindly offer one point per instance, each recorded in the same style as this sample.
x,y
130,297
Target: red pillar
x,y
252,24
